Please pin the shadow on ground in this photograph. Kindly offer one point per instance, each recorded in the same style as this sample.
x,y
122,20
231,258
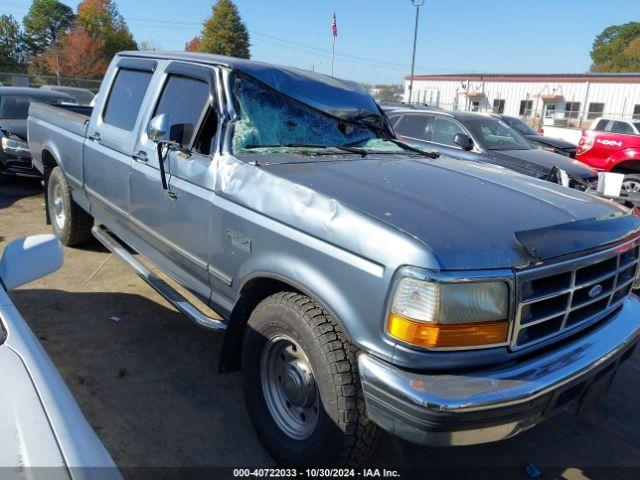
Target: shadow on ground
x,y
13,189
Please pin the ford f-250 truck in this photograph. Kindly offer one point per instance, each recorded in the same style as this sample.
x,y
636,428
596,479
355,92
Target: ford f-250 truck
x,y
361,284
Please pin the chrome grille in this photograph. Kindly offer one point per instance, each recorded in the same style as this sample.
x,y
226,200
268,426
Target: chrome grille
x,y
556,299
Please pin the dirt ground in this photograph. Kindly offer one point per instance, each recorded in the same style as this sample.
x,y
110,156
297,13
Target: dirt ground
x,y
146,379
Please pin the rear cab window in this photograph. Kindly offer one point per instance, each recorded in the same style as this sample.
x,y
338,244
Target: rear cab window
x,y
622,127
125,98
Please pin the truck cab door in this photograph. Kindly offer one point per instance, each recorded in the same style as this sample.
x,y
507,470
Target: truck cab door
x,y
111,138
175,223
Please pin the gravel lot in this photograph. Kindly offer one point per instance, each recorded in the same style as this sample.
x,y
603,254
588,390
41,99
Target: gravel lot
x,y
146,379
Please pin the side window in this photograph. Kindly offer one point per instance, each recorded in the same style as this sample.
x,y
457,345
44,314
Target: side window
x,y
184,99
600,125
444,130
125,98
413,126
622,127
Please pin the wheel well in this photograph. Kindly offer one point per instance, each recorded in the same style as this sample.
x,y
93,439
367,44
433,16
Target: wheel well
x,y
628,166
252,293
49,163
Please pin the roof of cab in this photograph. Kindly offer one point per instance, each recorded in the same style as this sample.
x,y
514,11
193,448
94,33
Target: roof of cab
x,y
340,98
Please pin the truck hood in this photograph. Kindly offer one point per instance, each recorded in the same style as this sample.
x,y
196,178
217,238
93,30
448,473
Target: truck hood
x,y
542,162
551,141
466,213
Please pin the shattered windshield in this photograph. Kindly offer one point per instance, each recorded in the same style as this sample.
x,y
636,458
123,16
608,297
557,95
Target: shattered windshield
x,y
271,122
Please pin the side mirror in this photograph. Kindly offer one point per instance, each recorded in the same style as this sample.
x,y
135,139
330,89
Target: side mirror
x,y
161,130
27,259
158,128
463,141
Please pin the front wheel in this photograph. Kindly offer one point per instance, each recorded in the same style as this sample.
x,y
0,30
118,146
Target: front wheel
x,y
301,385
71,224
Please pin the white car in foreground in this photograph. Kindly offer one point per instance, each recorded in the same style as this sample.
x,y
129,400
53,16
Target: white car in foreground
x,y
41,425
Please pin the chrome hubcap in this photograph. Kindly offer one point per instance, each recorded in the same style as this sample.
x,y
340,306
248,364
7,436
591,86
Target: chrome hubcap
x,y
58,206
289,387
631,186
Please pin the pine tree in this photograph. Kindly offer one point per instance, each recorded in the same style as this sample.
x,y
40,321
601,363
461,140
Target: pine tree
x,y
224,33
45,22
11,44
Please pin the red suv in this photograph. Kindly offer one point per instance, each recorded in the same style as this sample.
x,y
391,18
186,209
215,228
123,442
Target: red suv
x,y
613,145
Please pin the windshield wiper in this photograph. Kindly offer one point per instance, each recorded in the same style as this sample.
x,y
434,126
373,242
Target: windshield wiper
x,y
406,146
345,148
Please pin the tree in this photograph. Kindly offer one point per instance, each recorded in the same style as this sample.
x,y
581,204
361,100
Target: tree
x,y
45,22
77,55
102,21
11,44
616,49
194,45
224,32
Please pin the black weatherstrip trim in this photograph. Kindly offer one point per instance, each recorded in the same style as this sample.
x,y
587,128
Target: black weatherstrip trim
x,y
138,64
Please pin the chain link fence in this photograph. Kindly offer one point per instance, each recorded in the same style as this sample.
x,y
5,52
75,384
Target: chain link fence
x,y
10,79
537,118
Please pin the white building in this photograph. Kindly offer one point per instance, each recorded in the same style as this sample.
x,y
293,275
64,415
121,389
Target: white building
x,y
555,99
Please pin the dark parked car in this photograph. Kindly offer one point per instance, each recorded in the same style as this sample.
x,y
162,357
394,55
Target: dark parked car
x,y
81,96
555,145
15,158
484,138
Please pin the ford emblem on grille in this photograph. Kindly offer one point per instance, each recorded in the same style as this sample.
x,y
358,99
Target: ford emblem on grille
x,y
595,291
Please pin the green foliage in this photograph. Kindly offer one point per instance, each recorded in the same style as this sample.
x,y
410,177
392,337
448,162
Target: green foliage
x,y
11,44
102,21
44,23
224,33
617,49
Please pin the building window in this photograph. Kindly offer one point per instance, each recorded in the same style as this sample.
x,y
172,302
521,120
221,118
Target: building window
x,y
498,105
595,110
525,107
572,109
636,112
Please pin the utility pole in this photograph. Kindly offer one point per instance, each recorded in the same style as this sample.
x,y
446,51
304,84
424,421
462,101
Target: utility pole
x,y
417,4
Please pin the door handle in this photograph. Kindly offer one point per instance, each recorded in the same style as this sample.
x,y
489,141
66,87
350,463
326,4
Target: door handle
x,y
140,157
95,136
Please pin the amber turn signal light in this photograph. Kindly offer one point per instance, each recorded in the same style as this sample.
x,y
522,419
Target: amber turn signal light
x,y
433,335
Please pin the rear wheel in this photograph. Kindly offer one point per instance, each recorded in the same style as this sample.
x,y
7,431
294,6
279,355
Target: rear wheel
x,y
301,385
71,224
631,183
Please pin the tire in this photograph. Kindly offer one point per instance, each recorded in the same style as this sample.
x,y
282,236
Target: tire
x,y
631,183
340,433
71,224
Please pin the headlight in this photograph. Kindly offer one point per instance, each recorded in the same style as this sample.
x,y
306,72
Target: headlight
x,y
432,314
14,146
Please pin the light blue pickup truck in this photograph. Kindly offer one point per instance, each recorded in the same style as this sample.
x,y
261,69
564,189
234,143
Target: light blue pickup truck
x,y
361,283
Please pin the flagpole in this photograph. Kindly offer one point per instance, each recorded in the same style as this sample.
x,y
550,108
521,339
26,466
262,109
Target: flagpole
x,y
333,54
334,34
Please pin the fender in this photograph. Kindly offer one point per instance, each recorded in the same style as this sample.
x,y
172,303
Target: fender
x,y
273,274
627,155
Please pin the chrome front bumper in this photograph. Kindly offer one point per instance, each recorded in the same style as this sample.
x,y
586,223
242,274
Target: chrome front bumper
x,y
493,404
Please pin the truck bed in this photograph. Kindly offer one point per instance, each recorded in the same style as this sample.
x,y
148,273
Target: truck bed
x,y
58,129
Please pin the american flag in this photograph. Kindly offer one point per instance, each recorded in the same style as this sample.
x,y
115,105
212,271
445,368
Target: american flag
x,y
334,26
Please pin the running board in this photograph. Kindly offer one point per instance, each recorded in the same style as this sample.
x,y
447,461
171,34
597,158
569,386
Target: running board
x,y
163,288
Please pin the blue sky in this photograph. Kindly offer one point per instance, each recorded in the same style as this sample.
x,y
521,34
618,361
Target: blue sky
x,y
374,42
